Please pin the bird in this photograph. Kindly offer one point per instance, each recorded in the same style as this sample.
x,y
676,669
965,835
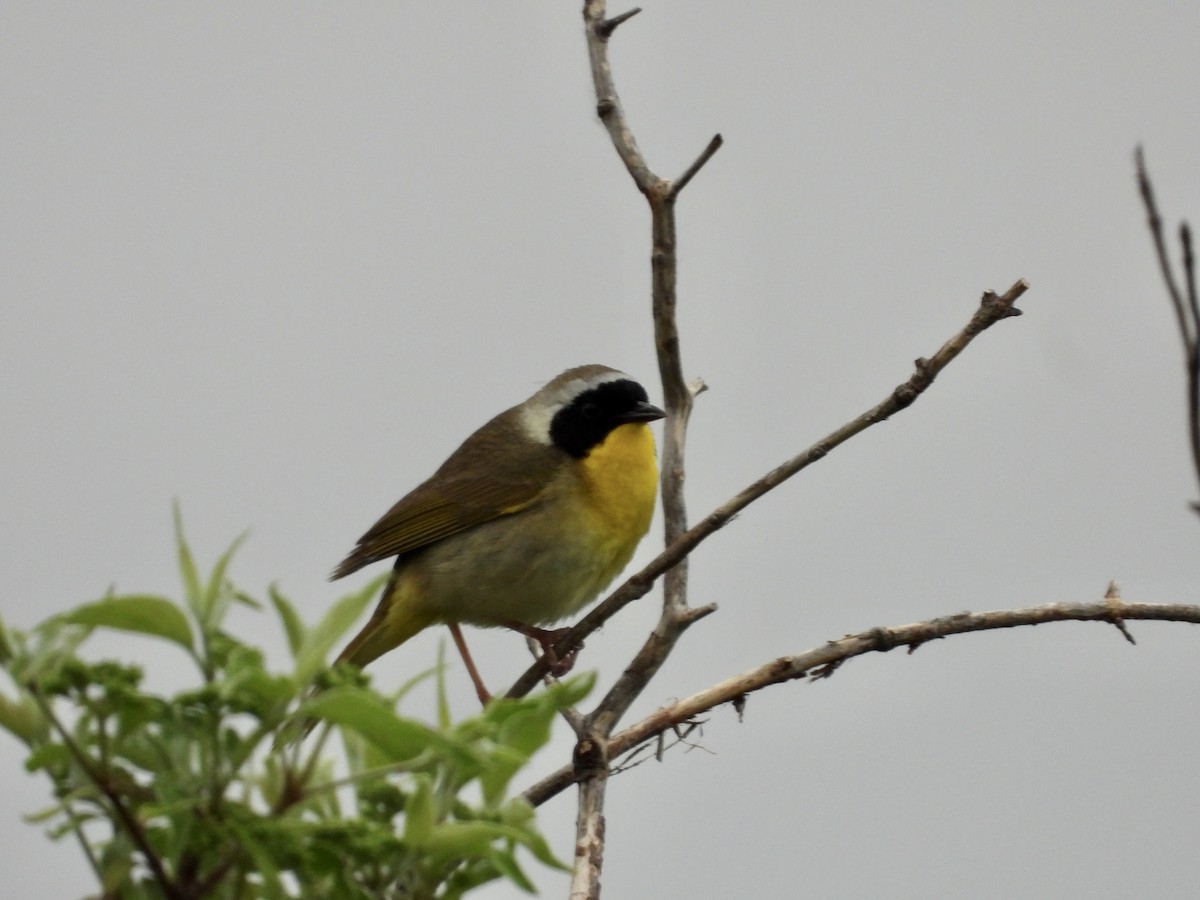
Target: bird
x,y
523,525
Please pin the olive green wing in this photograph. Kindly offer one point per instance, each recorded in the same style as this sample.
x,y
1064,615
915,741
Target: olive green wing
x,y
497,471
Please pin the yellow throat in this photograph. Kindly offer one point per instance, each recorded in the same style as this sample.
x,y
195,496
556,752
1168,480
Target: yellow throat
x,y
621,479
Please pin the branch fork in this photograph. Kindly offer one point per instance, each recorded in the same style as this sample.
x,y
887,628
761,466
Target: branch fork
x,y
596,744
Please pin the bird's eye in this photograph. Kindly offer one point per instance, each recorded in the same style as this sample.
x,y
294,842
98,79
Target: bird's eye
x,y
590,410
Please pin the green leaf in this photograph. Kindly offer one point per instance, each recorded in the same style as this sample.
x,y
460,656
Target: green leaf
x,y
140,613
70,824
518,812
6,653
115,871
521,728
571,690
506,864
536,844
462,840
43,815
398,739
467,877
460,837
399,693
187,568
264,861
465,837
246,600
53,646
419,813
527,731
322,636
22,717
459,840
505,763
217,594
443,704
293,626
47,755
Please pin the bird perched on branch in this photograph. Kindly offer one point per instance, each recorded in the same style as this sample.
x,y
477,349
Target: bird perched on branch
x,y
524,524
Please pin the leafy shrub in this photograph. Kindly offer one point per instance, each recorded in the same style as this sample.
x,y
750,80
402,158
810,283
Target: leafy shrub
x,y
214,792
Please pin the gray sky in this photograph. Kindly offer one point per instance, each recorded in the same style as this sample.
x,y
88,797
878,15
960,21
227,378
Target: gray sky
x,y
278,260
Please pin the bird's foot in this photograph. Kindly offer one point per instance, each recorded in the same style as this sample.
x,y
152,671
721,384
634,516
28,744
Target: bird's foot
x,y
546,639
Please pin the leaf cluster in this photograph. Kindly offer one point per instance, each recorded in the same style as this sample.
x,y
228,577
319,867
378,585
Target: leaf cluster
x,y
214,792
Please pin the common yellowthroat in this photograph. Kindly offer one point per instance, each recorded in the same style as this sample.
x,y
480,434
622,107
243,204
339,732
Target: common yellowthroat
x,y
524,524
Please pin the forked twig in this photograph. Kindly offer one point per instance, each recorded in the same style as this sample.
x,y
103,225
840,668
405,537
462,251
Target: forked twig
x,y
821,662
1183,302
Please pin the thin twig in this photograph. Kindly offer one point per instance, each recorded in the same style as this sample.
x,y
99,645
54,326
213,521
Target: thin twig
x,y
121,812
821,661
1186,307
993,308
1154,223
1193,359
84,845
1189,272
608,26
705,155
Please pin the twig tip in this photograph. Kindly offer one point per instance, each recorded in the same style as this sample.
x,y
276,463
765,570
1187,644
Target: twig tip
x,y
1112,598
608,26
739,706
706,154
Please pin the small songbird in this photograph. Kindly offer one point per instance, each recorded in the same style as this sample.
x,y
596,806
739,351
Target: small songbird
x,y
524,524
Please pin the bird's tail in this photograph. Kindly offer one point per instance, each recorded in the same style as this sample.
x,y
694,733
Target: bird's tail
x,y
394,621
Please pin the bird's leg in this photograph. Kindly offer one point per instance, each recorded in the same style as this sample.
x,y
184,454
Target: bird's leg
x,y
460,642
546,639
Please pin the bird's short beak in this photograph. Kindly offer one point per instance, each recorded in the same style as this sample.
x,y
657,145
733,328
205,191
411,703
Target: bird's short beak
x,y
643,412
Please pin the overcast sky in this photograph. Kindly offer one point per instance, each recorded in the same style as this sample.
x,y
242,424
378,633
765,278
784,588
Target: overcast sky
x,y
278,260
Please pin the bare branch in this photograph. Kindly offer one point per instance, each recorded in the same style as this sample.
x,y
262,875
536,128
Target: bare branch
x,y
1154,223
1193,359
1189,272
590,769
608,103
822,661
677,399
1187,308
993,308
